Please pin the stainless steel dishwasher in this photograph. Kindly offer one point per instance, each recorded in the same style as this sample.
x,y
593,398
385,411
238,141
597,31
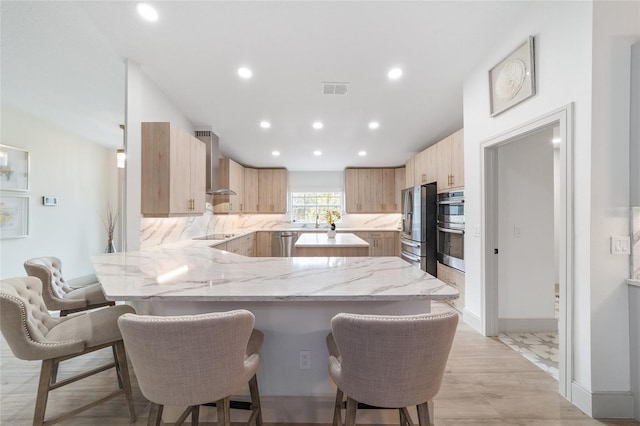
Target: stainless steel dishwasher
x,y
283,243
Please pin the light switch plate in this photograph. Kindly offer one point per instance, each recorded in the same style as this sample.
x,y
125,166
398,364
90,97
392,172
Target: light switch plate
x,y
620,245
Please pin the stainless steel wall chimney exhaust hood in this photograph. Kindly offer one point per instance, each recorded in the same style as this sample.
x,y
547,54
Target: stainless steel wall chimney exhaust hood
x,y
213,157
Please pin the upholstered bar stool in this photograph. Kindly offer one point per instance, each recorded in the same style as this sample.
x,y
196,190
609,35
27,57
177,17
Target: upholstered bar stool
x,y
33,334
192,360
58,294
389,361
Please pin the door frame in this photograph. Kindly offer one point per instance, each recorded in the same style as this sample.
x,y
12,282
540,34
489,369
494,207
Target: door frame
x,y
562,117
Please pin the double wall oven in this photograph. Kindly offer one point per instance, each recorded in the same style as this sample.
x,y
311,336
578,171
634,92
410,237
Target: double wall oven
x,y
450,224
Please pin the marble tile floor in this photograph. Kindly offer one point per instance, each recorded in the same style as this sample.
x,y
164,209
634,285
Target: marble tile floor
x,y
539,348
485,384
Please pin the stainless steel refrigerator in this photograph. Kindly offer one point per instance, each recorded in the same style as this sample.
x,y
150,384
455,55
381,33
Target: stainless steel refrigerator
x,y
418,239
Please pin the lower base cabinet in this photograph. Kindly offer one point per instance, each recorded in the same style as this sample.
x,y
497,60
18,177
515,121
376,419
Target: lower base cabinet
x,y
244,245
381,243
455,279
263,244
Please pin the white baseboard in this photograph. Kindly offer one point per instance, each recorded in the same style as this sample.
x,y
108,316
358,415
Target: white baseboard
x,y
508,325
612,405
581,398
472,319
603,405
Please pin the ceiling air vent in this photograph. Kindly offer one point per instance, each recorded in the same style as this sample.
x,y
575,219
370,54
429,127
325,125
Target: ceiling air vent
x,y
334,88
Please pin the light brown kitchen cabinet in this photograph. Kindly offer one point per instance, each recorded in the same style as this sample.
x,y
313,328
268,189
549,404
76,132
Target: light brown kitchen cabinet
x,y
244,245
272,190
230,176
450,153
381,243
455,279
409,172
457,159
426,166
371,190
263,244
250,190
400,184
173,172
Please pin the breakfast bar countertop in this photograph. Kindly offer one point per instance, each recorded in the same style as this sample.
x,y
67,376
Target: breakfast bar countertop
x,y
191,270
321,239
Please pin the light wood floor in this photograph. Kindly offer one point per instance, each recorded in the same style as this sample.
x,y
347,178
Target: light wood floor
x,y
486,383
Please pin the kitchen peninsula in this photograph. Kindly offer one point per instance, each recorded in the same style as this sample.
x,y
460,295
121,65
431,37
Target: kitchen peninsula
x,y
293,300
319,244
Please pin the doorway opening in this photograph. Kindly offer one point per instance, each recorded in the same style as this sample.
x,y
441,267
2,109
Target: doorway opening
x,y
527,236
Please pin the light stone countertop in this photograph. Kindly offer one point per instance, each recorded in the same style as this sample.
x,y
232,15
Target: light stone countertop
x,y
321,239
635,283
191,270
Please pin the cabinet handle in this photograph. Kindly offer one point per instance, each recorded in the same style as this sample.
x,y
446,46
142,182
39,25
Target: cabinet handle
x,y
451,180
424,177
240,206
230,207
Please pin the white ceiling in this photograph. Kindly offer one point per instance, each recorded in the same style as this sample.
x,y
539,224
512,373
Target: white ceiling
x,y
193,51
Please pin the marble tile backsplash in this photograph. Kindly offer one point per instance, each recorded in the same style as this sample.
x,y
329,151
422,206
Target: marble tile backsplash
x,y
635,243
156,231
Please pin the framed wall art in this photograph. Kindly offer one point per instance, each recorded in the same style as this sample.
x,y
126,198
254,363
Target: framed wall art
x,y
14,216
14,169
512,80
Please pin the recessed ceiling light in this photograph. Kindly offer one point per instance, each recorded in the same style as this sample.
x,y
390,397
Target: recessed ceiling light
x,y
395,74
556,140
317,153
265,124
245,72
147,12
374,125
275,153
362,153
318,125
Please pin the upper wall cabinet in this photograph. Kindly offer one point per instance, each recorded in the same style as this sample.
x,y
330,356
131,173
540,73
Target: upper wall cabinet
x,y
409,172
265,191
450,167
173,172
258,190
230,176
442,163
373,190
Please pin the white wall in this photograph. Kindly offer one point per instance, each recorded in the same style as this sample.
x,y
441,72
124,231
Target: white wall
x,y
562,33
616,27
81,173
145,102
525,203
581,59
634,149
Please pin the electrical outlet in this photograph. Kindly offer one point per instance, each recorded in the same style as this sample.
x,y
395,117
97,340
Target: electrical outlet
x,y
305,360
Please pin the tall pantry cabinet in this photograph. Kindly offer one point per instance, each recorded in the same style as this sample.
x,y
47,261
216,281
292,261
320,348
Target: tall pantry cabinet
x,y
173,172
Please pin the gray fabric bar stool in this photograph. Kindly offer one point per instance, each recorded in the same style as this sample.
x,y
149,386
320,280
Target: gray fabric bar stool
x,y
192,360
33,334
389,361
58,294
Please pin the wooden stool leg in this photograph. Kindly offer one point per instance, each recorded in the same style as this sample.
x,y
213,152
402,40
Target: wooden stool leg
x,y
117,362
155,415
423,414
352,409
195,415
337,409
122,369
43,391
224,412
405,417
255,399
